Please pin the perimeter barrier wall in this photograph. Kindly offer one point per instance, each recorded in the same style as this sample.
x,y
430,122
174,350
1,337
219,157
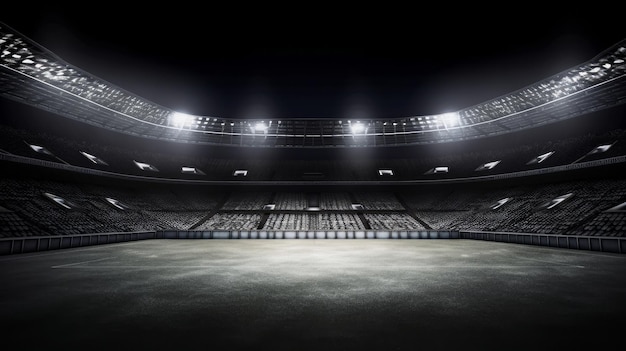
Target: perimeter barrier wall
x,y
44,243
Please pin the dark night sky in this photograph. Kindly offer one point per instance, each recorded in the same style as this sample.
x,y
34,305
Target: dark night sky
x,y
317,62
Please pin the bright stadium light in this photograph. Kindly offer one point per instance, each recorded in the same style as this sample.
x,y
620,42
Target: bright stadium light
x,y
357,128
600,149
540,158
556,201
40,149
440,169
487,166
94,159
145,166
500,203
191,170
260,127
116,203
59,200
450,119
179,120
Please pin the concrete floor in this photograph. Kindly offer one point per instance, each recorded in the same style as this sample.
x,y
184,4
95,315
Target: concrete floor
x,y
313,295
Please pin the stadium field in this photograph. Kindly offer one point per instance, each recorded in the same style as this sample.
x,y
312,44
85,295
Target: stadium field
x,y
313,295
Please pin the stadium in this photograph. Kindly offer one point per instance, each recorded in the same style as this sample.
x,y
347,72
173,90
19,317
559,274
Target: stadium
x,y
126,222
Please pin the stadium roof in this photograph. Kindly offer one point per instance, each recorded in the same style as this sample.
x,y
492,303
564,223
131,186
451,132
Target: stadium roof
x,y
34,75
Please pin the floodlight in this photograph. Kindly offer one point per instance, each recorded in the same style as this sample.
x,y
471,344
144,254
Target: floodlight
x,y
145,166
39,149
600,148
260,127
94,159
179,120
450,119
500,203
191,170
488,165
558,200
441,169
357,128
116,203
59,200
619,208
540,158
